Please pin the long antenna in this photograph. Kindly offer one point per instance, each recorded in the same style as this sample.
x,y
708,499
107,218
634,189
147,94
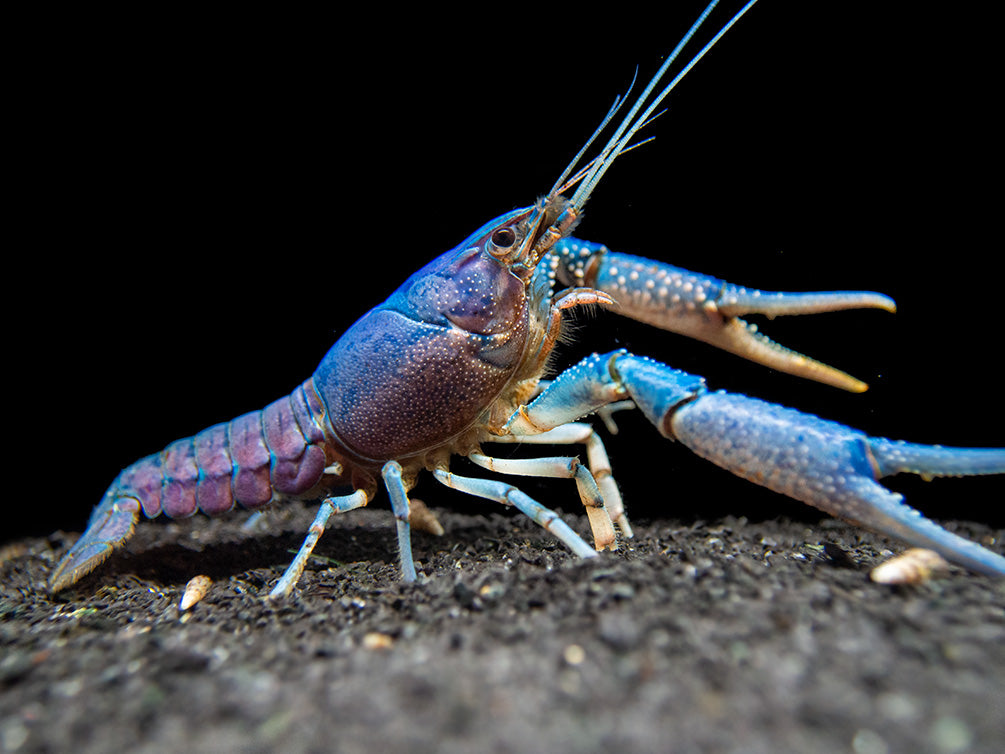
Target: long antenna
x,y
618,142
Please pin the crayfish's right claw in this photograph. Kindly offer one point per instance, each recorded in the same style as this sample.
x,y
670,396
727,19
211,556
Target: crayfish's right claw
x,y
111,524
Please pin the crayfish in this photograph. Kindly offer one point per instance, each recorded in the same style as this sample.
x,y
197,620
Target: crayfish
x,y
457,359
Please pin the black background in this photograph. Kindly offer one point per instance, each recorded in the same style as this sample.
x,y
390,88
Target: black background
x,y
208,200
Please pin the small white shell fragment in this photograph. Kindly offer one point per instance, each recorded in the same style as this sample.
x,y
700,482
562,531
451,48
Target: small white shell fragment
x,y
914,566
574,654
376,640
195,590
423,519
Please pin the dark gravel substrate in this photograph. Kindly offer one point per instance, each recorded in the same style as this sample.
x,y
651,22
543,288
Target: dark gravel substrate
x,y
697,636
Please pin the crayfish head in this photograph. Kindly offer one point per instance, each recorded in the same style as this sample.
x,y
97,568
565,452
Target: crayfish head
x,y
421,369
521,242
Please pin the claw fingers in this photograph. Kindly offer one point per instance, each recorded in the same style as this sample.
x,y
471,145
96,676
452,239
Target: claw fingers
x,y
739,337
709,309
876,508
896,457
832,467
735,301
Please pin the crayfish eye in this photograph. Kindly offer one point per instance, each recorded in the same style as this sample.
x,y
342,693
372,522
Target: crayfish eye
x,y
503,238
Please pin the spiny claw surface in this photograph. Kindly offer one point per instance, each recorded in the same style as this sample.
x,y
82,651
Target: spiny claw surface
x,y
707,308
825,464
833,467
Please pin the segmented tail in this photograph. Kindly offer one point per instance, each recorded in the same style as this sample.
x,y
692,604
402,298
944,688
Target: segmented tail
x,y
246,461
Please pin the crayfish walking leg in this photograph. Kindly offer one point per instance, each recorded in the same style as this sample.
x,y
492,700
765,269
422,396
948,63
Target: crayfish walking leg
x,y
328,507
599,468
507,494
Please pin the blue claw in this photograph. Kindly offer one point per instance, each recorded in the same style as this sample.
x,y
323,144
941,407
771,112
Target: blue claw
x,y
707,308
833,467
825,464
897,457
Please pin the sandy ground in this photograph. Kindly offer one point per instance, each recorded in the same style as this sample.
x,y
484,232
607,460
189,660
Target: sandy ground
x,y
726,635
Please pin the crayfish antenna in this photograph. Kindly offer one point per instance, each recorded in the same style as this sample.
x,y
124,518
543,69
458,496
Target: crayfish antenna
x,y
619,141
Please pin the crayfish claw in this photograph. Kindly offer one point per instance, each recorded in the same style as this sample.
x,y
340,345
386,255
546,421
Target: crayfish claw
x,y
833,467
741,338
707,308
822,463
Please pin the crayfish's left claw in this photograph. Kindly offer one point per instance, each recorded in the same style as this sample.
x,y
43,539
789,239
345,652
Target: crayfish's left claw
x,y
723,327
741,338
822,463
707,308
833,467
825,464
111,524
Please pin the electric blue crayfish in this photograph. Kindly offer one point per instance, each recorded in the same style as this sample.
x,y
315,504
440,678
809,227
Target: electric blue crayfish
x,y
456,357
